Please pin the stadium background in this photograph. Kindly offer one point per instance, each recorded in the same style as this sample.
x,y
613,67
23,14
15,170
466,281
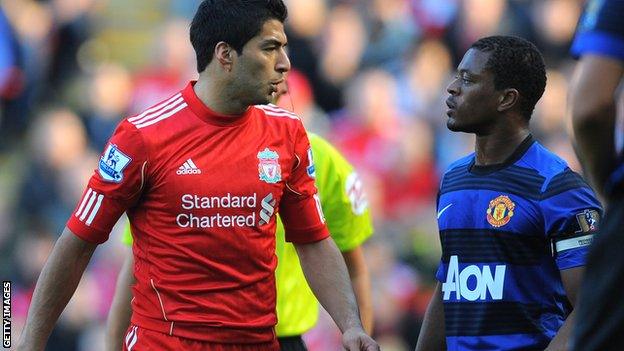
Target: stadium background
x,y
371,77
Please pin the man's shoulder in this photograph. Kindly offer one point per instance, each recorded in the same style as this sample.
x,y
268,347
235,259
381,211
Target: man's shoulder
x,y
276,114
460,164
543,161
167,111
559,177
327,157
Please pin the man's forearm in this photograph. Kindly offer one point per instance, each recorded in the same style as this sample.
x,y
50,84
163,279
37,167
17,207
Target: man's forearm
x,y
326,273
432,336
561,341
58,281
360,280
121,310
571,279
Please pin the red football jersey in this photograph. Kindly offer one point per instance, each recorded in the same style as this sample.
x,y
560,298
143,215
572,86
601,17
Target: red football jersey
x,y
201,191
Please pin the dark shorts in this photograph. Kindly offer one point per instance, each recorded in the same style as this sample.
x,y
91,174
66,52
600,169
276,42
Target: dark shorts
x,y
600,314
292,343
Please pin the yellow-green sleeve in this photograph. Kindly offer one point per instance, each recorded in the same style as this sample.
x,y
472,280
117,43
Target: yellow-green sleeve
x,y
349,222
127,235
342,196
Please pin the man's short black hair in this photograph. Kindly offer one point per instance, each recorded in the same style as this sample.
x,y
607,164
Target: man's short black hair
x,y
515,63
232,21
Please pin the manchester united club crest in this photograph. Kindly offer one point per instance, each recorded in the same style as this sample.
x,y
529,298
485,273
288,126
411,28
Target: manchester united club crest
x,y
500,211
269,167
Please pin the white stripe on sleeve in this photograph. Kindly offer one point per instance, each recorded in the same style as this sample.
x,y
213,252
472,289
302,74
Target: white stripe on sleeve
x,y
88,207
95,209
84,201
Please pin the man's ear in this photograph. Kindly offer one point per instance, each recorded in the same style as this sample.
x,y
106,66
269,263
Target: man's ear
x,y
223,54
509,99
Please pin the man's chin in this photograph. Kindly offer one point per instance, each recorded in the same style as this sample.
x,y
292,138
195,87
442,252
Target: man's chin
x,y
451,124
262,100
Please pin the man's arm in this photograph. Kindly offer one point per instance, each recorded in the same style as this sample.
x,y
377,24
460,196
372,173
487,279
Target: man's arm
x,y
432,336
56,285
571,279
121,309
592,106
327,275
360,280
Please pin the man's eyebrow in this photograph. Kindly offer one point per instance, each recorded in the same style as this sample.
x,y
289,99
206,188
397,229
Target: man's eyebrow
x,y
273,41
465,70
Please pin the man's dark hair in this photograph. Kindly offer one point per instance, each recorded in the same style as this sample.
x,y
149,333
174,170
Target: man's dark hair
x,y
232,21
515,63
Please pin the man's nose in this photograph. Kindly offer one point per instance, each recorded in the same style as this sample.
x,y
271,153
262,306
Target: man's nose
x,y
283,62
452,88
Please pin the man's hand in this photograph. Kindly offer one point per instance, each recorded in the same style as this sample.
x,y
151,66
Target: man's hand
x,y
355,339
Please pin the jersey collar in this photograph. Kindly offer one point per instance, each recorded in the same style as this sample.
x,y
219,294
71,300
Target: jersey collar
x,y
515,156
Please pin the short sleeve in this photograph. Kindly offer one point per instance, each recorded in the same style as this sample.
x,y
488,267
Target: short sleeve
x,y
600,30
572,215
342,194
300,206
127,235
115,185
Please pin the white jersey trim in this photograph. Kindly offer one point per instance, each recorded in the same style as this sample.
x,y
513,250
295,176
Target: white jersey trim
x,y
160,112
162,117
132,337
90,205
276,111
155,108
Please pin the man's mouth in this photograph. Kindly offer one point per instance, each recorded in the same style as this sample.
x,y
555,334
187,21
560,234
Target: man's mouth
x,y
451,107
275,85
450,104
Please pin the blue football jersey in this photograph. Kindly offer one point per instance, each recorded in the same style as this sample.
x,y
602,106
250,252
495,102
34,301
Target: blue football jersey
x,y
600,31
506,232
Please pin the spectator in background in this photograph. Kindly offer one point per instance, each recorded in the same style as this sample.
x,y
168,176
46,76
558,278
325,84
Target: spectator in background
x,y
593,108
13,117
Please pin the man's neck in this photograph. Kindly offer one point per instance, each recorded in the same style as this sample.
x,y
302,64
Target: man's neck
x,y
214,95
495,148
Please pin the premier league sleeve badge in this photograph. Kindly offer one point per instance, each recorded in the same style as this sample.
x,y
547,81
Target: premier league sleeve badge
x,y
112,164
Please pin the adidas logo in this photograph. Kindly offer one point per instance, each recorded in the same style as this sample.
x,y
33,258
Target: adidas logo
x,y
188,168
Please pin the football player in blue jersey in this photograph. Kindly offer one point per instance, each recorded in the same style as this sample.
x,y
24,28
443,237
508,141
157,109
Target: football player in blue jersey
x,y
592,105
515,221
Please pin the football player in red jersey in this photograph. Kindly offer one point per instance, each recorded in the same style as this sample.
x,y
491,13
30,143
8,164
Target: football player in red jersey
x,y
201,176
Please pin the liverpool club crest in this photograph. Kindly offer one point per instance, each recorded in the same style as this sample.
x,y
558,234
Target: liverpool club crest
x,y
500,211
269,167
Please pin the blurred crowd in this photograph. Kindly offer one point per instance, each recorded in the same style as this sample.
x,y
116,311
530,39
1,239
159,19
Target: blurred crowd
x,y
370,75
